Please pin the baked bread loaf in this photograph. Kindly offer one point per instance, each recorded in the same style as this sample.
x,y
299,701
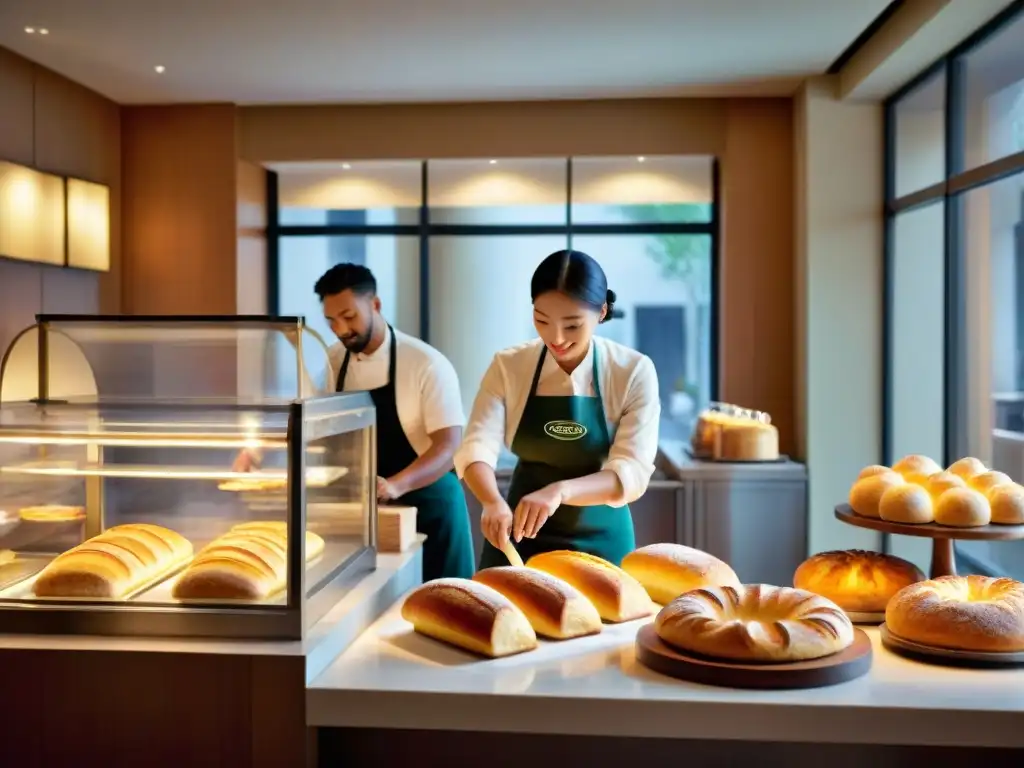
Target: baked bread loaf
x,y
916,468
668,570
755,623
873,469
967,613
909,503
856,579
988,481
866,494
747,440
118,562
616,595
249,562
967,467
962,508
941,482
553,607
1007,504
469,615
51,513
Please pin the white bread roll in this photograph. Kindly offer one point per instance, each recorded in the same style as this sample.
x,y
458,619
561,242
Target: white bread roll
x,y
755,623
916,468
469,615
968,613
668,570
962,508
909,503
114,564
855,579
553,607
616,595
967,467
1007,503
866,494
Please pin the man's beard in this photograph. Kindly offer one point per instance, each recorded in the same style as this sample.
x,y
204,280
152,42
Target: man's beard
x,y
358,343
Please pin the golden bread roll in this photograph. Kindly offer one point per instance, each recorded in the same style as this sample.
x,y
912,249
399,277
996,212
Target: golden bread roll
x,y
941,482
856,579
119,561
908,503
755,623
469,615
616,595
668,570
967,613
247,563
967,467
872,470
1007,504
747,440
916,468
51,513
986,481
553,607
866,494
962,508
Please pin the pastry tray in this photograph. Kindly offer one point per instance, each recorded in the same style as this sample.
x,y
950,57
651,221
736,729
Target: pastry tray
x,y
22,589
896,643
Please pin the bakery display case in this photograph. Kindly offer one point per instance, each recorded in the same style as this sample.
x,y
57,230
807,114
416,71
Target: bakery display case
x,y
179,476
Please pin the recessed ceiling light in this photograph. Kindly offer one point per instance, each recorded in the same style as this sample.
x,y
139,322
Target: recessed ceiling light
x,y
159,69
493,162
641,159
345,166
30,30
44,31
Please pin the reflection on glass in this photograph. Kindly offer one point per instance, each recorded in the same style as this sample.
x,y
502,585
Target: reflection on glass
x,y
663,288
494,191
641,190
356,193
920,127
994,88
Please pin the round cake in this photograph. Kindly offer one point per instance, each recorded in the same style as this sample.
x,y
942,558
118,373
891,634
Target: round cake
x,y
755,622
967,613
856,579
747,440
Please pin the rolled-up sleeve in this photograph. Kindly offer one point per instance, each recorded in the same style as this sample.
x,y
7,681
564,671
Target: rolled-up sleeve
x,y
485,432
441,399
635,446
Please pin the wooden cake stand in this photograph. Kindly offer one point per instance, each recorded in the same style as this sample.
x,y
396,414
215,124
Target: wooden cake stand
x,y
655,654
942,536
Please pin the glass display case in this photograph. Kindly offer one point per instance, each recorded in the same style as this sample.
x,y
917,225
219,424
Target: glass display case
x,y
179,476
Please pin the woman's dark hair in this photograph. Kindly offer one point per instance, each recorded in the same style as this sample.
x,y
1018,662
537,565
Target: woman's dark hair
x,y
578,276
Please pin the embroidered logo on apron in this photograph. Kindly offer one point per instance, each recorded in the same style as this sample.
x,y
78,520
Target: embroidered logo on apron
x,y
564,430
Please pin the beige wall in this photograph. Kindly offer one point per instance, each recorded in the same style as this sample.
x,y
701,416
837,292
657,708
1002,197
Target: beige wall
x,y
51,123
839,258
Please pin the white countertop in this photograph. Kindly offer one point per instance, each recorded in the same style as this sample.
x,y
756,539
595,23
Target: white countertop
x,y
393,678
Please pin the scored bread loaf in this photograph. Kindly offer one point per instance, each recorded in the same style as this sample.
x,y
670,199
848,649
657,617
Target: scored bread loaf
x,y
553,607
469,615
668,570
119,561
249,562
616,595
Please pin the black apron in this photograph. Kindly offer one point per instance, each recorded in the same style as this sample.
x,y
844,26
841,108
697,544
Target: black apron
x,y
441,511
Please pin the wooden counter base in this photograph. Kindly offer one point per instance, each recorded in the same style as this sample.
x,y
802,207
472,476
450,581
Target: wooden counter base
x,y
355,748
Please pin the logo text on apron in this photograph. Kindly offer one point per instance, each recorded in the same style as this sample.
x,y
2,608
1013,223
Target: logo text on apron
x,y
564,430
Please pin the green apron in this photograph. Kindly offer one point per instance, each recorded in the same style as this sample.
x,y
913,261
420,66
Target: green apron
x,y
562,438
441,511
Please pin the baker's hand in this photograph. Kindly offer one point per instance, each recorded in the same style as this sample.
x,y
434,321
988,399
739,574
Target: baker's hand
x,y
533,511
387,490
496,522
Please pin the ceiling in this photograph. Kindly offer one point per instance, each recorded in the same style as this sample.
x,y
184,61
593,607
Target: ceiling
x,y
359,51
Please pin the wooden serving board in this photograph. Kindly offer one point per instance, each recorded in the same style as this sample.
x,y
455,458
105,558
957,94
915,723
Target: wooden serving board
x,y
948,656
654,654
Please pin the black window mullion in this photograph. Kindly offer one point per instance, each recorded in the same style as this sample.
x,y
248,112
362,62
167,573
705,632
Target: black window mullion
x,y
568,202
273,245
424,240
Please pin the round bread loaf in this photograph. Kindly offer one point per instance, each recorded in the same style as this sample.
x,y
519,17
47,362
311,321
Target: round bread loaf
x,y
856,579
987,481
916,468
873,469
866,493
962,508
909,503
1007,504
967,467
755,623
968,613
668,570
941,482
553,607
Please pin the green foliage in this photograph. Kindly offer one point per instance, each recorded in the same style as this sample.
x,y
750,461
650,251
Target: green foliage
x,y
686,258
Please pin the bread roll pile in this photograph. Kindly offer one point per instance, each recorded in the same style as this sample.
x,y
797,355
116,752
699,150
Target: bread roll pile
x,y
668,570
756,622
916,490
249,562
856,580
967,613
118,562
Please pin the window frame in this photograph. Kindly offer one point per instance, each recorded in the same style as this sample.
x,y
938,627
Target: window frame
x,y
424,230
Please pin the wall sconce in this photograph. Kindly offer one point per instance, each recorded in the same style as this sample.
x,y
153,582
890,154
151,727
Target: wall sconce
x,y
32,220
88,225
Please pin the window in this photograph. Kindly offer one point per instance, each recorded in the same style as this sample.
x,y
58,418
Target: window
x,y
954,272
453,244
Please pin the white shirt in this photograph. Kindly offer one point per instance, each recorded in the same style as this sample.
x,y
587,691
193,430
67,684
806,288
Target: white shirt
x,y
426,385
629,390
